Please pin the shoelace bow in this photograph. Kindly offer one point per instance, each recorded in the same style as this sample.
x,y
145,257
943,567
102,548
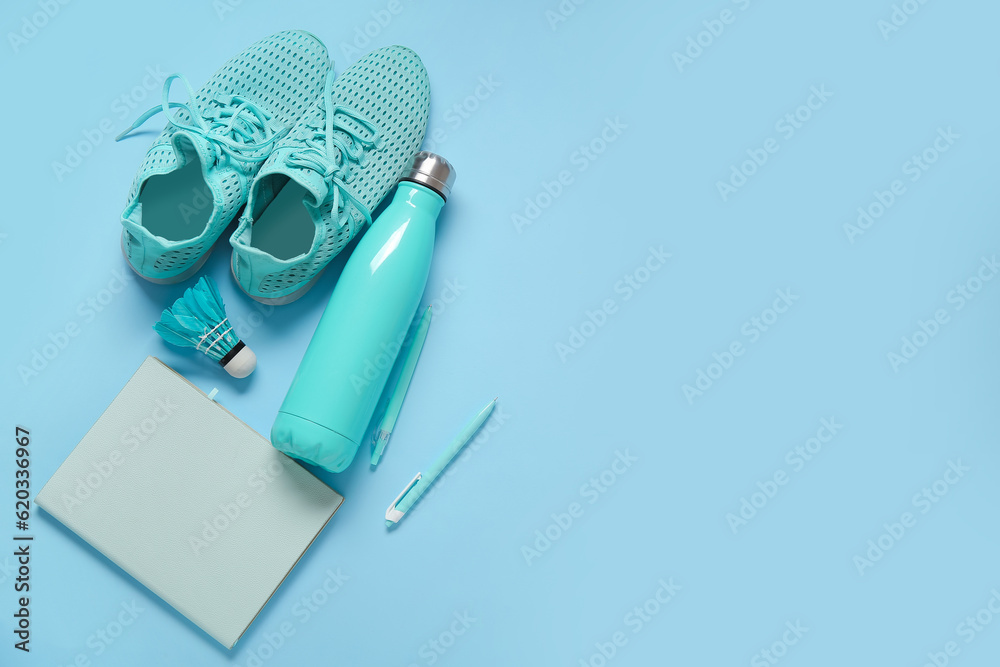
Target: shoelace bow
x,y
231,125
333,155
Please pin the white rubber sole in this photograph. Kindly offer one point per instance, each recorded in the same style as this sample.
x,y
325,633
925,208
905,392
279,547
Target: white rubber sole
x,y
278,300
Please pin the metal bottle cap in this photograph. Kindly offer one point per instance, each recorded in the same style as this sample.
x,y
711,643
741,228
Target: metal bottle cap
x,y
432,170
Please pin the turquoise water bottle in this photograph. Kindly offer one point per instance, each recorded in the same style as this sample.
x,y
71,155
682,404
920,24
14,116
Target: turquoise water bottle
x,y
337,387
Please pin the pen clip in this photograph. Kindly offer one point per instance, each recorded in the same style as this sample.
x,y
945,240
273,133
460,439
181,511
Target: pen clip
x,y
379,440
393,514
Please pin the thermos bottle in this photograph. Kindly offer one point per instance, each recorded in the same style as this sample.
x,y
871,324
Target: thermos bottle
x,y
337,386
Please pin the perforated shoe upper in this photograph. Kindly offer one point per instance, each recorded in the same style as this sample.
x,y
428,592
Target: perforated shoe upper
x,y
379,110
280,77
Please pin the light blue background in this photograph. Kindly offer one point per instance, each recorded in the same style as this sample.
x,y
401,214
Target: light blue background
x,y
522,291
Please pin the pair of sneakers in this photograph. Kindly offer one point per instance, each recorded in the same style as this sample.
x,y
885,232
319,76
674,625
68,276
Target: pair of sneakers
x,y
305,156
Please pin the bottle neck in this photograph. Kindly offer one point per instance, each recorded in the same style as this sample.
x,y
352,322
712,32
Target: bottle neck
x,y
418,196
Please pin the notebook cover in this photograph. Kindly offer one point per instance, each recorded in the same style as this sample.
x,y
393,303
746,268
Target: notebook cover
x,y
189,500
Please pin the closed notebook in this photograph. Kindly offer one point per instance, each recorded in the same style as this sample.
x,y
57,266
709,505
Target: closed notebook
x,y
190,501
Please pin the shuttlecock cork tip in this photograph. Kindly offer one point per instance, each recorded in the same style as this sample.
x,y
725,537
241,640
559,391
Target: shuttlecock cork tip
x,y
240,362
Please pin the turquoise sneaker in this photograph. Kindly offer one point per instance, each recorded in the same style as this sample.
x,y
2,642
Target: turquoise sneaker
x,y
323,180
196,175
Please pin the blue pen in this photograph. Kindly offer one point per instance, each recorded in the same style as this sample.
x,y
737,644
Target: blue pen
x,y
380,438
405,500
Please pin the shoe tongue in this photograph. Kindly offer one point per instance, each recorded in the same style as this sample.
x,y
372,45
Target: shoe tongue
x,y
227,180
312,181
187,145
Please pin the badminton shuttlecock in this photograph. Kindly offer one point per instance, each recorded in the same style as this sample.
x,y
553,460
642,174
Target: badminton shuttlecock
x,y
198,320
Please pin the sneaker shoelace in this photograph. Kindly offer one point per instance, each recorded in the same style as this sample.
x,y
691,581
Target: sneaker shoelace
x,y
231,126
332,151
